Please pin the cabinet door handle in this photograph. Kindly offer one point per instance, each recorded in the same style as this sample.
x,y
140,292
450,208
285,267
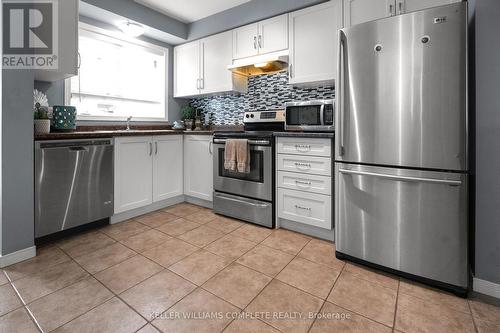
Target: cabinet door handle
x,y
150,149
255,42
400,7
210,147
303,208
260,41
391,6
156,147
202,83
290,70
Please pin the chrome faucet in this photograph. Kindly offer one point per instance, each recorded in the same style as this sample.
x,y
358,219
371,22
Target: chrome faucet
x,y
128,123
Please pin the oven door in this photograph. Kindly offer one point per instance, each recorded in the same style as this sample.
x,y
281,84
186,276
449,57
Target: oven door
x,y
257,184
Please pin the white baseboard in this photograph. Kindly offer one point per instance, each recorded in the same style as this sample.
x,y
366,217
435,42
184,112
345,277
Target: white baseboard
x,y
144,210
199,202
18,256
486,288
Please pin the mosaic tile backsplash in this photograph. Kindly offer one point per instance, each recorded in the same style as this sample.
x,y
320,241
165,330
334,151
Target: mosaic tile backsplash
x,y
265,92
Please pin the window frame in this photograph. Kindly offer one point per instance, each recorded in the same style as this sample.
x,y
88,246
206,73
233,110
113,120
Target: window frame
x,y
121,37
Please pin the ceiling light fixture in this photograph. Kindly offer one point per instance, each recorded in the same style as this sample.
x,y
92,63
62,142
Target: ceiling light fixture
x,y
131,29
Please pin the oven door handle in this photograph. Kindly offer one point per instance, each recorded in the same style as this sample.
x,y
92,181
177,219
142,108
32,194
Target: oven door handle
x,y
242,201
250,142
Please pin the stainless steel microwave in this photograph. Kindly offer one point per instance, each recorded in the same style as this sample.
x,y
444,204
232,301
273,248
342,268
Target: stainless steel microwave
x,y
314,116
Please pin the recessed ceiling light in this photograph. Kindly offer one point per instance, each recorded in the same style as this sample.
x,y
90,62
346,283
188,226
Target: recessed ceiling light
x,y
131,29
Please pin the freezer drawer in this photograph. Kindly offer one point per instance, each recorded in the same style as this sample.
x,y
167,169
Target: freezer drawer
x,y
305,164
408,220
305,146
307,208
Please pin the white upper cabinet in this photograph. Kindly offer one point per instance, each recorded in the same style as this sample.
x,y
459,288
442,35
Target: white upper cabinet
x,y
167,167
273,34
200,67
360,11
407,6
245,41
187,69
68,44
260,38
198,167
313,43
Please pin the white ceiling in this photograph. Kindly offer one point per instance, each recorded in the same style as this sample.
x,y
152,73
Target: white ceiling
x,y
189,11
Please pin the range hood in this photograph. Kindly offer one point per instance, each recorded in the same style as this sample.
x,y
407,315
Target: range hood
x,y
260,64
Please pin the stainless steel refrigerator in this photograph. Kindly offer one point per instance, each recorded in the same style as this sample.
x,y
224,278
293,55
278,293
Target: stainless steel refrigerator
x,y
401,171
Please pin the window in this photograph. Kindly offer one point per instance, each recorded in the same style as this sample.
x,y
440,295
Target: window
x,y
118,78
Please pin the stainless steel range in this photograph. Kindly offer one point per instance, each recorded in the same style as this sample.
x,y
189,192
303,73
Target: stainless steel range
x,y
249,196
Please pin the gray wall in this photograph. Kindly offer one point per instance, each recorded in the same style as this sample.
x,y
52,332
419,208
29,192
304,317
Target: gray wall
x,y
17,157
487,139
249,12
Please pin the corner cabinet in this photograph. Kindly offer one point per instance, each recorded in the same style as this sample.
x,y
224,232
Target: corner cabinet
x,y
198,166
68,44
267,36
200,68
360,11
147,169
313,43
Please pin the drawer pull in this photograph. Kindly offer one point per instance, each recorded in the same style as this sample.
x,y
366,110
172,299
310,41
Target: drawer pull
x,y
303,208
301,182
300,165
303,148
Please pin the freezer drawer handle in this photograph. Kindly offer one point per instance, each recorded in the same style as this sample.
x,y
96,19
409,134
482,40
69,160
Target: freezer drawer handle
x,y
403,178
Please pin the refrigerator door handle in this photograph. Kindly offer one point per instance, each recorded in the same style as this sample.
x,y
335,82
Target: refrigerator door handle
x,y
340,89
402,178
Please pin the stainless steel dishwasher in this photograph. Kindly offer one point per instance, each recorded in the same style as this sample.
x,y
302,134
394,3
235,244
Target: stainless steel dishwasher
x,y
73,183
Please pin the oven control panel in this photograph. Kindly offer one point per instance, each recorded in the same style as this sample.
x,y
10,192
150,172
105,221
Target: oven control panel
x,y
270,116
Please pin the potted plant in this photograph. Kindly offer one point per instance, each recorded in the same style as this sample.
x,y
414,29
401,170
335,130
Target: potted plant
x,y
42,121
188,113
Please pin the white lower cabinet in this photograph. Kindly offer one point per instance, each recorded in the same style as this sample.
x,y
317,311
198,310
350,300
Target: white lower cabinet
x,y
198,166
147,169
304,181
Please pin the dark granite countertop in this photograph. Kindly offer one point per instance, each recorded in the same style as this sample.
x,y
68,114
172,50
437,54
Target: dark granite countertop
x,y
328,135
111,134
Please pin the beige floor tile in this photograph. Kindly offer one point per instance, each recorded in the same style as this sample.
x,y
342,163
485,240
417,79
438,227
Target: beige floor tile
x,y
8,299
145,240
486,326
278,298
237,284
49,280
17,321
314,278
249,325
182,209
201,217
382,278
333,318
366,298
287,241
200,266
201,236
484,311
85,243
178,227
224,224
128,273
3,278
417,315
57,309
321,252
265,260
230,246
433,295
124,230
103,258
155,295
46,257
252,233
170,252
197,304
112,316
156,219
148,329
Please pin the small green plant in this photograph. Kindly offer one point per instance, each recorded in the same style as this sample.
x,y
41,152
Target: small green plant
x,y
41,112
188,112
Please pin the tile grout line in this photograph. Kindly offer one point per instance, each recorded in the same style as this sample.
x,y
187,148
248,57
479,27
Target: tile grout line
x,y
396,308
472,315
